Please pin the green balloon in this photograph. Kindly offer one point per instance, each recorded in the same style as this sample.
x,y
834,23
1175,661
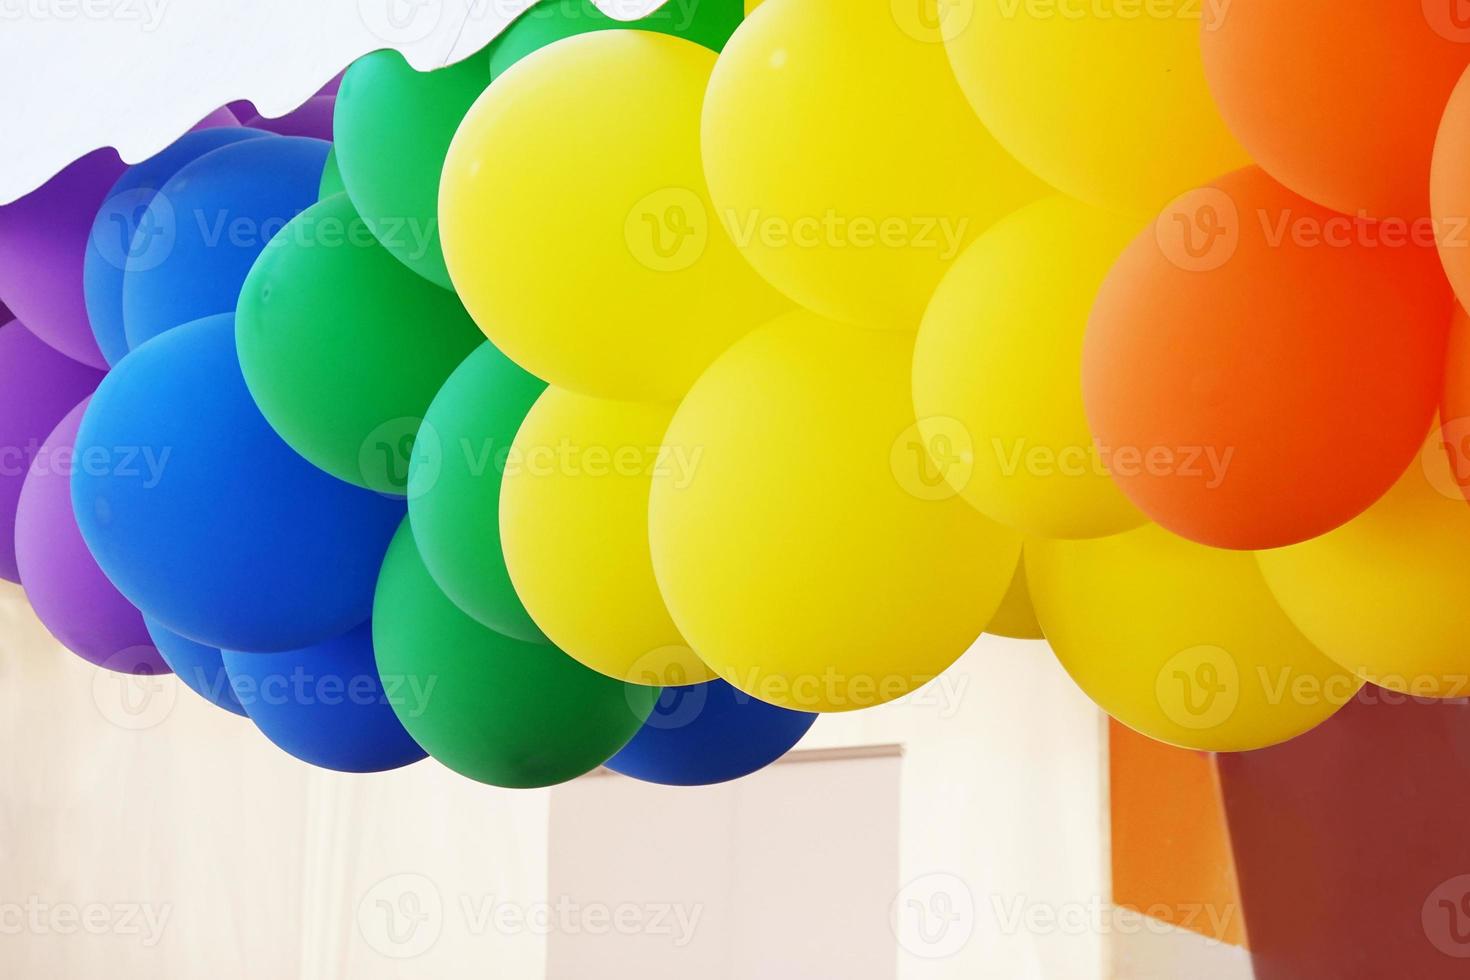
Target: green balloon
x,y
500,711
706,22
331,177
455,516
392,126
344,348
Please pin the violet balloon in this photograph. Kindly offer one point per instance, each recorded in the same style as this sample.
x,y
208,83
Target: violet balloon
x,y
219,117
68,592
245,110
43,241
38,386
312,118
43,238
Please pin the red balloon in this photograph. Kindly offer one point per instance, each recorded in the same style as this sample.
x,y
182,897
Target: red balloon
x,y
1258,369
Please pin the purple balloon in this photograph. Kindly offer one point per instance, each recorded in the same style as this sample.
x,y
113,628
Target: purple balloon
x,y
219,117
43,241
69,593
38,386
245,109
43,244
312,118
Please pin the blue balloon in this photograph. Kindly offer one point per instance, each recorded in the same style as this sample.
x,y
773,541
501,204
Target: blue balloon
x,y
206,520
204,228
200,667
111,242
326,705
709,733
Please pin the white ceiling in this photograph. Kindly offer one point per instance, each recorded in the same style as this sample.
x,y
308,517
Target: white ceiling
x,y
76,75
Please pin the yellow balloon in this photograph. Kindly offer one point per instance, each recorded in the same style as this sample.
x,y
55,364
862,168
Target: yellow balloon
x,y
574,526
808,560
1015,619
1387,595
1104,99
576,223
844,161
998,372
1181,642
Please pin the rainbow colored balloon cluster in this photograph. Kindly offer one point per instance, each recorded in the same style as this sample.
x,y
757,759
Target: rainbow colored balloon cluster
x,y
820,341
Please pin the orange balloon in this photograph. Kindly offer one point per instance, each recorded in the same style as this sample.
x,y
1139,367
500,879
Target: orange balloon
x,y
1338,99
1454,410
1449,189
1259,370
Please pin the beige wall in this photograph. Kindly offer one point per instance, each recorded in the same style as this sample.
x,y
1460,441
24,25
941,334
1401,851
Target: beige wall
x,y
200,851
144,833
787,873
1001,816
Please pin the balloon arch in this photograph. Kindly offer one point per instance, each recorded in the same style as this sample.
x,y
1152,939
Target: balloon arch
x,y
631,393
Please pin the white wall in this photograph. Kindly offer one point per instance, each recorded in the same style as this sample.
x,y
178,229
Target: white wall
x,y
787,873
106,72
259,866
1002,816
139,800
